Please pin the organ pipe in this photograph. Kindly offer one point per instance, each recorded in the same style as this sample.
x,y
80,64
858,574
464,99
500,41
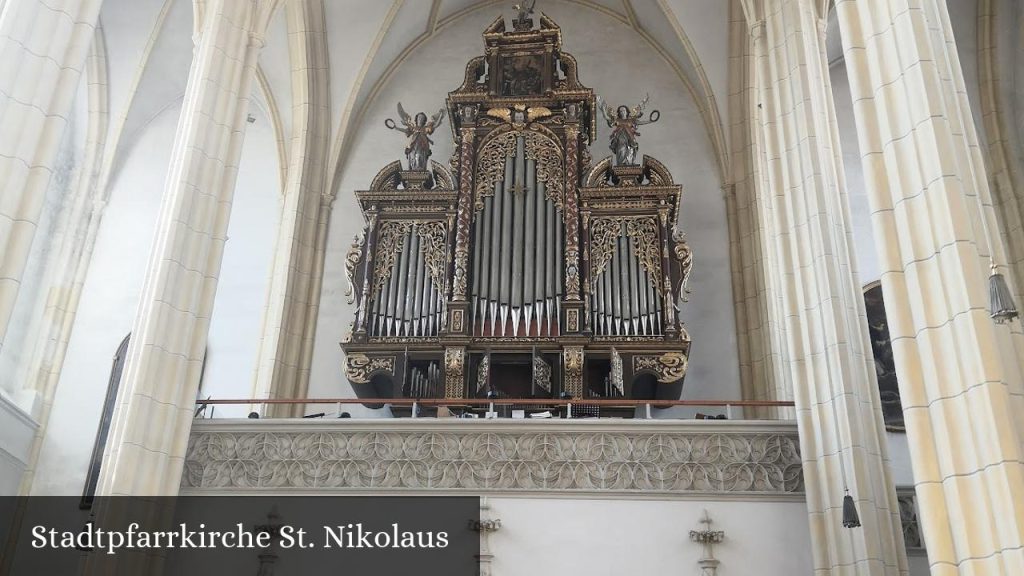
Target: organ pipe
x,y
517,261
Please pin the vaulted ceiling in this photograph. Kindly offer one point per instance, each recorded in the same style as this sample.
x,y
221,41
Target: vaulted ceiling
x,y
368,40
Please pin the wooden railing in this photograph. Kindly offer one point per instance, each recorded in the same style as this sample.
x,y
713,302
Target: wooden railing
x,y
506,401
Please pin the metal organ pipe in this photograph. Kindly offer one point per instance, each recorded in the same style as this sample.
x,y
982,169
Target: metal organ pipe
x,y
518,210
415,316
530,233
403,271
551,263
540,254
505,294
412,261
634,287
517,255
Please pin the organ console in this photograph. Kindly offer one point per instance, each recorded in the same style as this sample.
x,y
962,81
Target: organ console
x,y
522,268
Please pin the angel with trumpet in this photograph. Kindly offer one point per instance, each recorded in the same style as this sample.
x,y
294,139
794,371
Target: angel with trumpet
x,y
417,150
624,122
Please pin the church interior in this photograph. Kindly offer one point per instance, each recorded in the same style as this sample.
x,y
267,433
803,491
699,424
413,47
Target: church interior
x,y
671,286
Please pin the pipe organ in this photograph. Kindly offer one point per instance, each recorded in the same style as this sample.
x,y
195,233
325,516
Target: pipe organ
x,y
522,268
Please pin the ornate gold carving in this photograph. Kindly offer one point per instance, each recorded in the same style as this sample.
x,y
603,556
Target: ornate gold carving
x,y
442,176
616,376
457,320
352,260
573,359
656,172
604,232
541,374
390,244
668,367
434,236
483,371
359,367
684,255
644,233
539,148
388,178
464,214
391,241
454,369
643,230
572,320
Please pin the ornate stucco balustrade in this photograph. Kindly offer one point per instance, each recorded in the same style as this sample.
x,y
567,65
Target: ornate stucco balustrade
x,y
637,458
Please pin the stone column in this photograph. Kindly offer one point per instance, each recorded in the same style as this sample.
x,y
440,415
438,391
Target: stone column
x,y
959,371
997,115
755,328
151,425
807,238
283,369
43,46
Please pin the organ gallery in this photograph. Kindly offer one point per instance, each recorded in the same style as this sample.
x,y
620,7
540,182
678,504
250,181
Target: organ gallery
x,y
528,265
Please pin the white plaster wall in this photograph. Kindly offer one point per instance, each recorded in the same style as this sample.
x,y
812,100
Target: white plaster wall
x,y
617,63
541,537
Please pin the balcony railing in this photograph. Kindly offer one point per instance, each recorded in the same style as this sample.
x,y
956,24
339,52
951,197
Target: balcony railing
x,y
596,456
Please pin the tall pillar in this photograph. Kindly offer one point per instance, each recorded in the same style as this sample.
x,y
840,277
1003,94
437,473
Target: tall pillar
x,y
959,372
151,425
296,276
755,328
997,115
807,237
42,53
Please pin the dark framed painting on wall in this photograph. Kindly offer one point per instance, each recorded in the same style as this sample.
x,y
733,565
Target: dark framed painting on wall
x,y
885,367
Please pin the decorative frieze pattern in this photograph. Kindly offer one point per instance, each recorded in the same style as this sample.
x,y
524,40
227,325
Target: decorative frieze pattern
x,y
474,458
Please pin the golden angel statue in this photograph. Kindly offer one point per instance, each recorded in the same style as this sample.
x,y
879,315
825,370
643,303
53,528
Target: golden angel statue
x,y
624,122
417,150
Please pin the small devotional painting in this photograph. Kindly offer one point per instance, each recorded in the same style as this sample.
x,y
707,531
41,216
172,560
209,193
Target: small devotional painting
x,y
885,367
521,75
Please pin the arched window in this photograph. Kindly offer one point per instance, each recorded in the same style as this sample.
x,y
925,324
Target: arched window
x,y
99,446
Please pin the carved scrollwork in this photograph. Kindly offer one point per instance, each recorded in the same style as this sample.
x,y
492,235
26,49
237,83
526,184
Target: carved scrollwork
x,y
388,178
352,260
684,255
483,372
541,374
389,245
442,176
573,359
434,236
359,367
656,173
598,175
644,233
643,230
539,148
616,375
604,232
668,367
454,371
